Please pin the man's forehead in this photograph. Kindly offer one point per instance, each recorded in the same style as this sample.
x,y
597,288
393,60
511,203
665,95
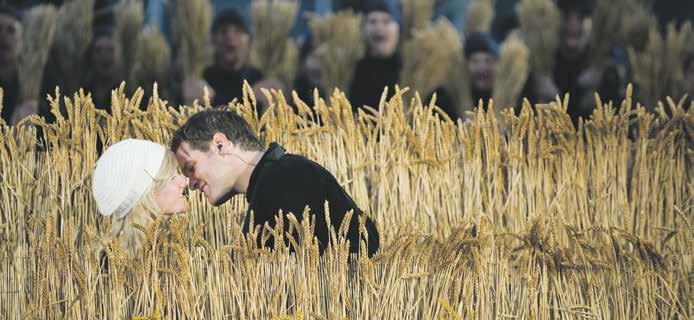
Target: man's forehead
x,y
183,151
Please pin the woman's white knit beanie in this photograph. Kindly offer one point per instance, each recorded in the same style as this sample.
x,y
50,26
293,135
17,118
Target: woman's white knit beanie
x,y
123,174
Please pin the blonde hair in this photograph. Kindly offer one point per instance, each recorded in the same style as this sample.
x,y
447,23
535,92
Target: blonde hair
x,y
144,212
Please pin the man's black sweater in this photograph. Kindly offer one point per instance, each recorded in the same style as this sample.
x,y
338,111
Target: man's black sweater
x,y
287,182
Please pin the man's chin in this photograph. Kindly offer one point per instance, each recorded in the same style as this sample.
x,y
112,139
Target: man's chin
x,y
220,200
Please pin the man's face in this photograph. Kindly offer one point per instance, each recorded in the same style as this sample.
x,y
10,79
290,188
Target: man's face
x,y
105,56
231,46
482,68
207,172
9,39
382,34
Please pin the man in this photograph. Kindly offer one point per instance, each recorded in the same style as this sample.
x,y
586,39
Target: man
x,y
573,72
10,37
231,38
381,65
218,151
482,54
14,108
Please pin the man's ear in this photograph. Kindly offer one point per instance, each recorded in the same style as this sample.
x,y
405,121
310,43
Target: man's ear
x,y
219,140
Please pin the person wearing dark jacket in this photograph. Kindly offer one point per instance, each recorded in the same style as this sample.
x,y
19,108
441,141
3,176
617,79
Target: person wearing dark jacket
x,y
573,71
218,151
481,56
10,30
381,65
308,78
231,38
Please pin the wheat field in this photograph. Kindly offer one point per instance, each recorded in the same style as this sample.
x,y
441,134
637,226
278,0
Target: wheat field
x,y
539,221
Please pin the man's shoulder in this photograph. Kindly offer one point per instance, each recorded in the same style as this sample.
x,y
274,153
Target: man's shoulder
x,y
293,164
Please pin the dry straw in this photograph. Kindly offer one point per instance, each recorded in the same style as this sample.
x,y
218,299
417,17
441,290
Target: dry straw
x,y
338,42
659,68
428,57
152,61
74,21
129,21
479,16
416,15
512,73
38,34
544,221
273,51
458,85
539,25
191,23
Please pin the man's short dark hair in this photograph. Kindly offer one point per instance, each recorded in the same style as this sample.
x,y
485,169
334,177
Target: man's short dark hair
x,y
201,127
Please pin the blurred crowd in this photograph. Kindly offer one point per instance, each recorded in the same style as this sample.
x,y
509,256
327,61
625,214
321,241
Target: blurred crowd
x,y
231,33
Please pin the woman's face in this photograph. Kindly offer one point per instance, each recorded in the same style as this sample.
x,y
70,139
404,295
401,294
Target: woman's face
x,y
171,197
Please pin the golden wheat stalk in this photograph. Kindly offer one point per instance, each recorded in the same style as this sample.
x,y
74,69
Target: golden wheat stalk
x,y
339,45
38,34
152,61
659,68
416,14
479,16
511,73
459,84
520,222
429,56
191,25
74,22
539,25
273,51
129,21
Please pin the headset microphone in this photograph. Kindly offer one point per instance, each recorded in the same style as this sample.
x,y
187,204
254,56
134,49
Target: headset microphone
x,y
219,147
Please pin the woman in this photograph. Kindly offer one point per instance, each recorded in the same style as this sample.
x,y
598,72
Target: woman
x,y
134,182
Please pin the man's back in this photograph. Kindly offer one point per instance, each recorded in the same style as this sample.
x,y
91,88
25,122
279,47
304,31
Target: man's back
x,y
289,183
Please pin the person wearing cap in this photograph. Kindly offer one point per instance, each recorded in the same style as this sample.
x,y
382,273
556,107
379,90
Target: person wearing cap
x,y
222,157
14,109
381,65
309,75
481,55
134,182
231,38
10,38
573,72
104,66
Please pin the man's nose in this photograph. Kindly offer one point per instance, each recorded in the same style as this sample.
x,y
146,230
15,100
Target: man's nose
x,y
193,183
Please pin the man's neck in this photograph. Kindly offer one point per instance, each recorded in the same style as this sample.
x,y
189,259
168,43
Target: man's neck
x,y
251,160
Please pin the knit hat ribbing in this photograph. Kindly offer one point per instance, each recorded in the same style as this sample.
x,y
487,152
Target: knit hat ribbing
x,y
124,173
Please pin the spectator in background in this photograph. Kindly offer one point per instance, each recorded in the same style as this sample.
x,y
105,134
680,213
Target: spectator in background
x,y
10,39
231,38
309,75
481,55
381,65
573,72
104,70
